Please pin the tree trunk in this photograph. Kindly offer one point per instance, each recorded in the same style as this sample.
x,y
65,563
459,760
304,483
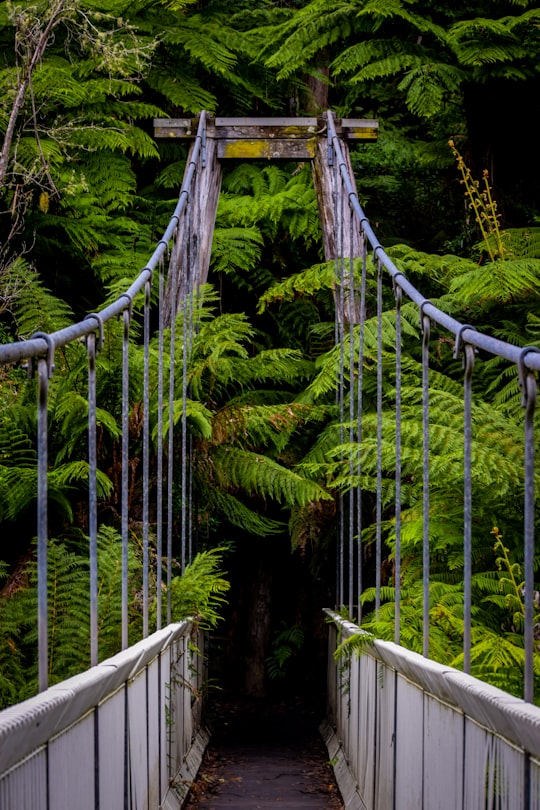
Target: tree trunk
x,y
258,630
20,96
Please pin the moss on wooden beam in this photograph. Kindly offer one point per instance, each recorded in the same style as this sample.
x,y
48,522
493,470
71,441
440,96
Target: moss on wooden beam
x,y
267,138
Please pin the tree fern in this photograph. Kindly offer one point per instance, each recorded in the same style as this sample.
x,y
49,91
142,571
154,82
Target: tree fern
x,y
200,592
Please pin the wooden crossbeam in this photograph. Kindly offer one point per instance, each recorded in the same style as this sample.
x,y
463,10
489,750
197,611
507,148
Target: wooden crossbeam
x,y
267,138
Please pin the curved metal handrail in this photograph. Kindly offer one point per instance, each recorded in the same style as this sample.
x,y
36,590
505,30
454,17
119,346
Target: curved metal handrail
x,y
469,335
39,346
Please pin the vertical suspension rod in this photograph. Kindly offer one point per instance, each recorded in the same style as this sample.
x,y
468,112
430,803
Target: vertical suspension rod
x,y
529,393
426,330
351,510
468,365
359,426
43,613
92,495
146,452
378,541
45,367
126,316
397,561
159,455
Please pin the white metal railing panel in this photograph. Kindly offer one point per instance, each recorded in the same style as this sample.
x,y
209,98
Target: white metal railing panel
x,y
112,745
25,786
443,745
476,754
138,739
71,768
367,712
186,696
165,678
431,737
154,724
106,731
504,775
354,737
384,771
345,713
409,743
175,719
535,784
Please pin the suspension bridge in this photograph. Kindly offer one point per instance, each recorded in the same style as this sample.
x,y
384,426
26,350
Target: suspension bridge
x,y
402,730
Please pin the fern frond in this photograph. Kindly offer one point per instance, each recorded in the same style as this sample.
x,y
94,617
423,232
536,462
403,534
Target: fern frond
x,y
236,249
228,506
427,86
36,309
501,281
256,474
200,591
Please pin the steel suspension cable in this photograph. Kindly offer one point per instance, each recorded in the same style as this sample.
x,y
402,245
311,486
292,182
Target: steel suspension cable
x,y
39,350
44,369
170,428
146,452
397,561
527,362
126,317
92,497
378,540
359,423
184,460
159,454
341,286
351,510
468,365
426,331
337,342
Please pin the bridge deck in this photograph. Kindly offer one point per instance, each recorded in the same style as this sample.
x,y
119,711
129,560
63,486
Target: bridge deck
x,y
262,756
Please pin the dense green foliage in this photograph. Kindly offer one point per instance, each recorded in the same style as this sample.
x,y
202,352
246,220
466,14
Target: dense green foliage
x,y
85,191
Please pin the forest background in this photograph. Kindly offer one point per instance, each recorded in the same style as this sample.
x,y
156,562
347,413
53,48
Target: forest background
x,y
85,193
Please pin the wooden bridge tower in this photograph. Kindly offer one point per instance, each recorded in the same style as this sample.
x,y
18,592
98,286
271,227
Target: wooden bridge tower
x,y
285,139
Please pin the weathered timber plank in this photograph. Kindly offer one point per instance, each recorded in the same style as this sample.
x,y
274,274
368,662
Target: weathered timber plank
x,y
175,127
266,122
267,149
351,129
266,128
265,132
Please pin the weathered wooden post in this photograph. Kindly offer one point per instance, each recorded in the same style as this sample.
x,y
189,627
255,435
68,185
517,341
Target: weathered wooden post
x,y
291,139
340,241
191,257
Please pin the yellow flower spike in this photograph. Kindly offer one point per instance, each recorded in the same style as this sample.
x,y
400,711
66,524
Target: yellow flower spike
x,y
484,206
